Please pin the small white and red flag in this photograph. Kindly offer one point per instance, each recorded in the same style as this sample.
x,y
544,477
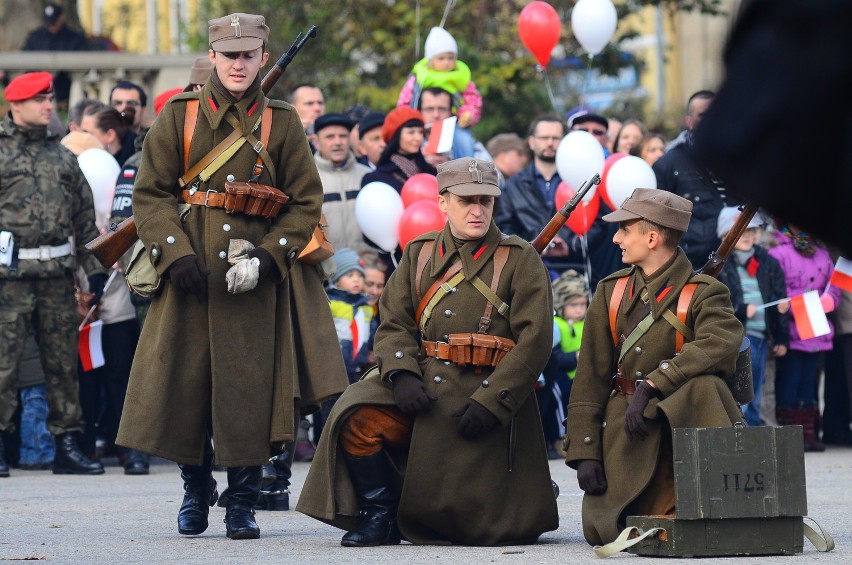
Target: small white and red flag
x,y
90,346
809,315
842,275
441,136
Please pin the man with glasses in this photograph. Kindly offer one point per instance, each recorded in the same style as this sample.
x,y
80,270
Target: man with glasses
x,y
437,104
527,204
594,124
128,96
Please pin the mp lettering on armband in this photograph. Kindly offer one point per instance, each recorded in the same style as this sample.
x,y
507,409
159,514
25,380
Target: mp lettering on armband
x,y
122,202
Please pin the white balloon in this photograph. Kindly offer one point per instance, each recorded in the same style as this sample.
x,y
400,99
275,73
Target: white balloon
x,y
378,208
579,158
101,171
626,175
593,23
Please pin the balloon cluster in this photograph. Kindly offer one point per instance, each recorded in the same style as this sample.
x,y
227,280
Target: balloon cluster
x,y
389,218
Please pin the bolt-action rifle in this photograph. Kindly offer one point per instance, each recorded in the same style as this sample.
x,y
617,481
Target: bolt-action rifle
x,y
558,220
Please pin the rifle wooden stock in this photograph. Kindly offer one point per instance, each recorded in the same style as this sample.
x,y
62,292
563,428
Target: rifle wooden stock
x,y
558,220
717,259
111,245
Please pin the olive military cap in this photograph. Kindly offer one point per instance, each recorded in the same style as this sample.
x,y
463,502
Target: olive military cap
x,y
657,206
468,177
238,32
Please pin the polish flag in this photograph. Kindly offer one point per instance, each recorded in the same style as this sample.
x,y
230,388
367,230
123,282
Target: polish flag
x,y
441,136
842,276
809,315
90,346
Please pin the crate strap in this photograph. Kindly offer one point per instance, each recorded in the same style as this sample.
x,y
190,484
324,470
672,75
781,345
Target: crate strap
x,y
821,539
624,541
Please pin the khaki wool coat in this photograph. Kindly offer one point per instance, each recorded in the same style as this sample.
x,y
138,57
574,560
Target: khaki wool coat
x,y
693,394
493,490
232,363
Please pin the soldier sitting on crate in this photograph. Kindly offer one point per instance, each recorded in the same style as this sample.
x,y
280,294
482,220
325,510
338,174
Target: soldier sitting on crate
x,y
656,342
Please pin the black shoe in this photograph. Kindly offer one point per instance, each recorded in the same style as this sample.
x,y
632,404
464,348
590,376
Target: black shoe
x,y
378,499
4,468
137,463
275,494
70,460
199,495
243,491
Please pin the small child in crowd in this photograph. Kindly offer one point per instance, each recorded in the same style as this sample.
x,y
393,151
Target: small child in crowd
x,y
441,68
352,313
807,266
570,299
754,278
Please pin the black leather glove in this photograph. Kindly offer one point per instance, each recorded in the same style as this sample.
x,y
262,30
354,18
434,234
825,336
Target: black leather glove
x,y
590,476
189,275
96,287
474,420
410,394
267,263
634,422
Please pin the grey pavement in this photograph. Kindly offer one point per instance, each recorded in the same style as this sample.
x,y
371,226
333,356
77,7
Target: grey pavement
x,y
115,518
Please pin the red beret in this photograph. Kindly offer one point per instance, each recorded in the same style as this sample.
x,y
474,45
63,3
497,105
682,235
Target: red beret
x,y
396,118
160,101
28,86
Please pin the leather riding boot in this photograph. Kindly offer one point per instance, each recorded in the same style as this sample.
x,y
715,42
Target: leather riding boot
x,y
243,490
137,463
808,420
199,495
275,494
4,467
70,460
378,499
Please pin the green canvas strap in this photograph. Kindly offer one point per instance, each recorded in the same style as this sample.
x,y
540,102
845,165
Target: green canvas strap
x,y
490,296
634,336
443,290
678,325
821,539
624,541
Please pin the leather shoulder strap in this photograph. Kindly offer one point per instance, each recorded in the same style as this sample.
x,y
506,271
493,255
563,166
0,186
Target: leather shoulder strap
x,y
615,304
683,302
501,255
189,121
422,259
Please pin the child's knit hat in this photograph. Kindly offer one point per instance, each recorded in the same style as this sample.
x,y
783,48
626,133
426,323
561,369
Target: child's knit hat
x,y
568,286
440,41
346,260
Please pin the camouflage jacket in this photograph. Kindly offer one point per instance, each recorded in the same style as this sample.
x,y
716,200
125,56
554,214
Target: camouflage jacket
x,y
44,200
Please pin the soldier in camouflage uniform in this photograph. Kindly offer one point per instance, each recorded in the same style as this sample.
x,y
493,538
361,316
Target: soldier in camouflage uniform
x,y
46,215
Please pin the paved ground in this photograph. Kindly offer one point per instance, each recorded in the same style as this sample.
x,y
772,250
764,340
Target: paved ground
x,y
120,519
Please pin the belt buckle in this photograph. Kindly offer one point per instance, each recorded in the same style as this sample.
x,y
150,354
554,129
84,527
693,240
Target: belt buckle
x,y
207,197
44,252
447,289
437,343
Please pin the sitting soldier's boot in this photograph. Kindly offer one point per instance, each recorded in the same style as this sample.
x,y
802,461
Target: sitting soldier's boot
x,y
378,500
4,467
275,495
199,495
243,490
70,460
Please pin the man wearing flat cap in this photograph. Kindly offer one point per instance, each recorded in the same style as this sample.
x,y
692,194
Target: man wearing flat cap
x,y
660,367
218,352
466,330
341,176
47,214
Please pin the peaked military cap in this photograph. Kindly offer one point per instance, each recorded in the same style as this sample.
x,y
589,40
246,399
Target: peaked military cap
x,y
658,206
468,177
238,32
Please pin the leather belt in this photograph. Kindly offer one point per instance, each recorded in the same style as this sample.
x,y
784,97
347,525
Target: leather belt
x,y
478,350
208,198
45,252
438,349
625,386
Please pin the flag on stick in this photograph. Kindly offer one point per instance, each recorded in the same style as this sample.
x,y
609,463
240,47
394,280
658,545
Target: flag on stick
x,y
809,315
842,275
90,346
441,136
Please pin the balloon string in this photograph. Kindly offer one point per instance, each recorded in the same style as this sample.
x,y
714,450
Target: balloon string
x,y
417,31
586,82
549,90
584,245
393,260
450,5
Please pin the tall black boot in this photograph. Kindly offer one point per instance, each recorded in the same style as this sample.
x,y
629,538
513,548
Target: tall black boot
x,y
378,499
4,467
275,494
199,494
70,460
243,490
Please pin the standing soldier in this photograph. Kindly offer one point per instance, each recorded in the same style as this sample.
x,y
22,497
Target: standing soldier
x,y
217,355
657,367
46,214
465,332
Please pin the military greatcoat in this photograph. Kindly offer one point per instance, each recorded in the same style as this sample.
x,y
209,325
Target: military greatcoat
x,y
231,361
495,489
693,394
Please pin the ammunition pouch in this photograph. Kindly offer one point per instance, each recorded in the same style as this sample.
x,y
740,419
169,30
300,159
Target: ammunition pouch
x,y
248,198
478,350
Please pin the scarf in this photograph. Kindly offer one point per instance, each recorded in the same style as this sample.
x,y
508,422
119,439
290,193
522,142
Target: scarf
x,y
408,167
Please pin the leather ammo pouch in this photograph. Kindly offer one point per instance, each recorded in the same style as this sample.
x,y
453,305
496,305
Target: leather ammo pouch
x,y
253,199
479,350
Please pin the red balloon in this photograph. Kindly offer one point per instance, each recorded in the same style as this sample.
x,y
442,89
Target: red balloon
x,y
583,216
421,186
610,161
539,28
420,217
